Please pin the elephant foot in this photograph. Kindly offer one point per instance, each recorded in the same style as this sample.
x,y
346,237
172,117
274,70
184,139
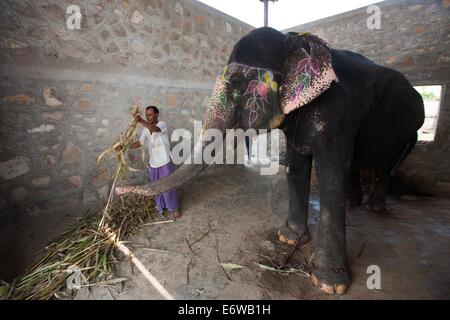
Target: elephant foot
x,y
292,237
331,281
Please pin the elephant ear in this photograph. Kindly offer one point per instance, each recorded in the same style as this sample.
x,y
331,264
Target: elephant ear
x,y
307,71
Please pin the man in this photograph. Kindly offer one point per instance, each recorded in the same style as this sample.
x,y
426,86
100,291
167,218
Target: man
x,y
155,137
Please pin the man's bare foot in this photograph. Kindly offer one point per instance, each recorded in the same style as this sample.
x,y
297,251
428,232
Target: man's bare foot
x,y
176,215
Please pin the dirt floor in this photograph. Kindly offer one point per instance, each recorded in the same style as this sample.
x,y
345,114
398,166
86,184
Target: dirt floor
x,y
232,214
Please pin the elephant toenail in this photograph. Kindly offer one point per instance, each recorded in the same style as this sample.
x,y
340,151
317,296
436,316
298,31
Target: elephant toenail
x,y
340,289
292,242
326,288
315,280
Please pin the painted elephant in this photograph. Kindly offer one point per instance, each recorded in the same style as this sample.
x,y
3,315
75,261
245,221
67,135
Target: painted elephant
x,y
336,107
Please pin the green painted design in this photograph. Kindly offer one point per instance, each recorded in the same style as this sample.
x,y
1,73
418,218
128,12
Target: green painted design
x,y
223,100
236,95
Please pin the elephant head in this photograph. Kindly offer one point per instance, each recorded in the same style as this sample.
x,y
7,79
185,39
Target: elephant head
x,y
268,75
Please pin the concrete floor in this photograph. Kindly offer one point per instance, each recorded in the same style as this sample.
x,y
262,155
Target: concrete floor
x,y
232,214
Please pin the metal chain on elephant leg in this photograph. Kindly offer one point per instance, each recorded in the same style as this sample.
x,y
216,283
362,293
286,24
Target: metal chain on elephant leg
x,y
287,257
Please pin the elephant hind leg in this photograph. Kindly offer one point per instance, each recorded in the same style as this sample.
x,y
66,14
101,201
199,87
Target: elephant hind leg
x,y
377,196
293,235
380,181
355,191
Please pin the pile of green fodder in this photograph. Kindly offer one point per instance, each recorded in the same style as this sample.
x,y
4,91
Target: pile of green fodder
x,y
89,248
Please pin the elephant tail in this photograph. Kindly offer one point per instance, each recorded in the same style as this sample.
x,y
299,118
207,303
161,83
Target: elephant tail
x,y
406,151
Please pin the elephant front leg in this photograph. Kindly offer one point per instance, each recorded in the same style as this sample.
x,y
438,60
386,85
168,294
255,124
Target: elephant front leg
x,y
295,230
329,271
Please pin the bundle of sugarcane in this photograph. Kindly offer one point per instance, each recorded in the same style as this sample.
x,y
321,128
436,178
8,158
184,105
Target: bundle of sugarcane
x,y
89,248
121,146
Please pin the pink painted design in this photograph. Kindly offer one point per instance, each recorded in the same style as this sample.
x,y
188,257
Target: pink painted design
x,y
299,90
247,71
309,93
308,75
309,65
258,92
257,89
254,104
253,116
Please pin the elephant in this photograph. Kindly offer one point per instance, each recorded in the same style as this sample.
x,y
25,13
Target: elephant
x,y
336,107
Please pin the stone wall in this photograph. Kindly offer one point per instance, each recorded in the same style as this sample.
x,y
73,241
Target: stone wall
x,y
415,39
67,94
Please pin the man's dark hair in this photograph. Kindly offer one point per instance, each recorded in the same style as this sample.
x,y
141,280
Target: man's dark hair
x,y
155,109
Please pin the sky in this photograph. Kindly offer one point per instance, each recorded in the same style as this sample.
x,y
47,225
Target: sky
x,y
284,14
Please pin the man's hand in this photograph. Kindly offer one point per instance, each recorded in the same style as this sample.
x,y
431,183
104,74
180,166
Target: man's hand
x,y
131,156
138,118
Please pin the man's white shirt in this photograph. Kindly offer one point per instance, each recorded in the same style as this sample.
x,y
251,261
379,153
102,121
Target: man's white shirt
x,y
158,145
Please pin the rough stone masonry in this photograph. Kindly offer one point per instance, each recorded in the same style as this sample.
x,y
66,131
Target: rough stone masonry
x,y
66,94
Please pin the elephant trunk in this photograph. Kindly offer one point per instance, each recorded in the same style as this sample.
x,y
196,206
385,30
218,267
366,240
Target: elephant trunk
x,y
219,115
179,177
